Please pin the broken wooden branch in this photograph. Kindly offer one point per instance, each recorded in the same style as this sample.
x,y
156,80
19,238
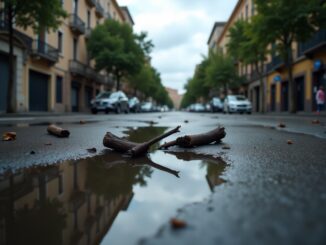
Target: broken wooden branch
x,y
57,131
134,149
189,141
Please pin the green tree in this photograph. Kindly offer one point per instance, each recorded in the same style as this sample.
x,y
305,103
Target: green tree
x,y
287,21
249,48
41,15
221,72
146,45
114,48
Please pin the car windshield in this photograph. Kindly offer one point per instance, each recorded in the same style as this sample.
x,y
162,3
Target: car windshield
x,y
216,100
114,95
237,98
103,95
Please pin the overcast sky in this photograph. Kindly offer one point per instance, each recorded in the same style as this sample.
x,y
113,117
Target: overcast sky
x,y
179,30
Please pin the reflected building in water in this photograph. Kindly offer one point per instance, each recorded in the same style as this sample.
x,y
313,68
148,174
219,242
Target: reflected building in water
x,y
55,205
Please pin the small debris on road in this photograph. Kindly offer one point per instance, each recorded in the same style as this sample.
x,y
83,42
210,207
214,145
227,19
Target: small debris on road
x,y
281,125
9,136
57,131
290,142
226,147
177,223
48,143
82,122
316,121
91,150
185,121
32,152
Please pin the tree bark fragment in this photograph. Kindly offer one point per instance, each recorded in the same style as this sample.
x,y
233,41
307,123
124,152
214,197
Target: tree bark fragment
x,y
189,141
134,149
57,131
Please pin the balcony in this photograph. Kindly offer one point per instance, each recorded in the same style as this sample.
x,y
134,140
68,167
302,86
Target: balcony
x,y
317,41
76,24
99,10
275,64
91,3
25,40
44,51
91,73
77,68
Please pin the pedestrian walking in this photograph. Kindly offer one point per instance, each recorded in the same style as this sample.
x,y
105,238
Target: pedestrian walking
x,y
320,99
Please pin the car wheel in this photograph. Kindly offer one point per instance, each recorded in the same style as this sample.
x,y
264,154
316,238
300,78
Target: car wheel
x,y
94,111
106,111
127,110
118,109
249,112
229,111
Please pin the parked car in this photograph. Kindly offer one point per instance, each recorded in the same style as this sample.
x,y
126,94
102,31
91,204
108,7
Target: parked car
x,y
216,104
107,101
197,107
147,107
237,103
134,104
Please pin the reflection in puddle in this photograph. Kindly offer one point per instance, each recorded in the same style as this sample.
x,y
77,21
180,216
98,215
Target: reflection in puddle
x,y
111,199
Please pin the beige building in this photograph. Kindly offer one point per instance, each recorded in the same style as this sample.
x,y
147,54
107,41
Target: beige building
x,y
52,70
309,69
175,97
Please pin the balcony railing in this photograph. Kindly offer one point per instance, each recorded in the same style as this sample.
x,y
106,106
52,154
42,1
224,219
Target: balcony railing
x,y
77,68
42,50
317,40
77,25
275,64
27,41
88,32
91,3
99,10
91,73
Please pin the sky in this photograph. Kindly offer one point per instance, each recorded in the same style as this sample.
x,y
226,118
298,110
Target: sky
x,y
179,30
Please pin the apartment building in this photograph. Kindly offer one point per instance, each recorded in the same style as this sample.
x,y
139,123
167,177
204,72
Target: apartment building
x,y
52,70
309,68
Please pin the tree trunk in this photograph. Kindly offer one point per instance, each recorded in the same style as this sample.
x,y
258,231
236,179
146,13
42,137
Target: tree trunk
x,y
118,81
292,84
260,72
10,90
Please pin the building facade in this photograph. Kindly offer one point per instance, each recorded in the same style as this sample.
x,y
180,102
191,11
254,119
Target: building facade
x,y
52,70
308,69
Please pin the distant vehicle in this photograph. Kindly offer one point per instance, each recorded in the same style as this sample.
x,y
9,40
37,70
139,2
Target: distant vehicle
x,y
134,104
165,108
237,103
107,101
147,107
216,104
197,107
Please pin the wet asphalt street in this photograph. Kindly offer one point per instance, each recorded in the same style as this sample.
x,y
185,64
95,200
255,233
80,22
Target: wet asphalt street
x,y
272,192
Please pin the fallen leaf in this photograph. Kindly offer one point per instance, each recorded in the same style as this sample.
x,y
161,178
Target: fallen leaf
x,y
186,121
48,143
226,147
281,125
82,122
9,136
289,142
315,121
177,223
91,150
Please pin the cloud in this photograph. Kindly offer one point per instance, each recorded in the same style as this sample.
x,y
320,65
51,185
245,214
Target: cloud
x,y
179,30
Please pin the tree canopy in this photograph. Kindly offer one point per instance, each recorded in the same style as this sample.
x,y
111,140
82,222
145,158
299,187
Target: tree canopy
x,y
115,49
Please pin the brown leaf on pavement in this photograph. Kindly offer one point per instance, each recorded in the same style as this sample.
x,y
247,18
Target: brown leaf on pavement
x,y
316,121
177,223
82,122
290,142
9,136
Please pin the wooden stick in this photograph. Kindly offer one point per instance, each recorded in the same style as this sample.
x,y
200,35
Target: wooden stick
x,y
134,149
189,141
57,131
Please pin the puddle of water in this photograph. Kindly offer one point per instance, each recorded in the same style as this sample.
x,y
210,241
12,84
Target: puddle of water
x,y
109,198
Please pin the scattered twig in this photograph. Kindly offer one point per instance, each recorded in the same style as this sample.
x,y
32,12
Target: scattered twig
x,y
9,136
57,131
189,141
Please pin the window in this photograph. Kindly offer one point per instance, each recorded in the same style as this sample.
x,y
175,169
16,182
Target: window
x,y
60,41
88,18
59,89
74,48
